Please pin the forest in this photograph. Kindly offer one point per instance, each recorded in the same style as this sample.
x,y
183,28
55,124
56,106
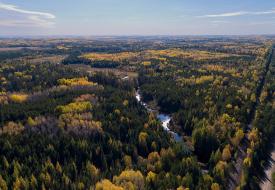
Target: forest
x,y
70,117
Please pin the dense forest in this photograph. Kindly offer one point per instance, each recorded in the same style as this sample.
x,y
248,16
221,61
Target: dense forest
x,y
70,118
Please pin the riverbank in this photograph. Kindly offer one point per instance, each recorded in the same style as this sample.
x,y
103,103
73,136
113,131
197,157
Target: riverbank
x,y
163,118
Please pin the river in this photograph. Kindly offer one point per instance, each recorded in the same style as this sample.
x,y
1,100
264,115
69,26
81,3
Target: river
x,y
162,117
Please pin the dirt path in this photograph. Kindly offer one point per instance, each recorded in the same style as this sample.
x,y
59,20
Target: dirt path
x,y
267,184
236,173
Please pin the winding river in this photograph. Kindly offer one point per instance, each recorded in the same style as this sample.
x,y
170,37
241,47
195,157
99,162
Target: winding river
x,y
164,118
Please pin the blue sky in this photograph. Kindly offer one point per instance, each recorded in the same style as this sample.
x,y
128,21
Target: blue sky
x,y
136,17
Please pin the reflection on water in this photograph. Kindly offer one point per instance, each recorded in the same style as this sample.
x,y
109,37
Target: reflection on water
x,y
165,120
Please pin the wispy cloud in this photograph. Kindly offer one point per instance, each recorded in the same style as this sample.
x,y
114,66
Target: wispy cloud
x,y
238,13
262,23
220,22
27,17
226,14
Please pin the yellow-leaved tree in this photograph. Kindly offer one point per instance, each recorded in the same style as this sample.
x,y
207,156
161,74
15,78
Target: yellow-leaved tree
x,y
130,179
107,185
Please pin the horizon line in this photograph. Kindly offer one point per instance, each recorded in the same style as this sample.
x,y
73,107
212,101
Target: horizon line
x,y
126,35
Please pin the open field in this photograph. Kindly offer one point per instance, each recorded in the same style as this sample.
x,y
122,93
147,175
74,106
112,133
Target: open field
x,y
117,72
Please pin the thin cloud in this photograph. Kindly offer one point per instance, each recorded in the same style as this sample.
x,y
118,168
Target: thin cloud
x,y
22,22
225,14
30,18
239,13
220,22
264,12
262,23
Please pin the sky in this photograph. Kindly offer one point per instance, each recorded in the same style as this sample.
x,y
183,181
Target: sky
x,y
136,17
